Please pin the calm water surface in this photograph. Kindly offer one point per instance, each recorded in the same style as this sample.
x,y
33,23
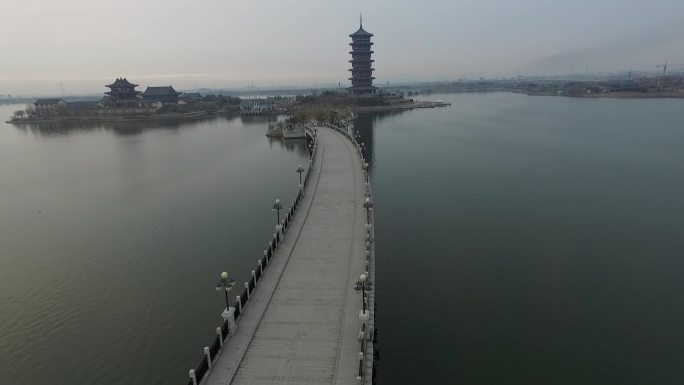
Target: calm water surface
x,y
530,240
113,238
521,240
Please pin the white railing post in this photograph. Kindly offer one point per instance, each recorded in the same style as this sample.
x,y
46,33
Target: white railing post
x,y
220,335
247,287
229,316
193,377
206,353
239,303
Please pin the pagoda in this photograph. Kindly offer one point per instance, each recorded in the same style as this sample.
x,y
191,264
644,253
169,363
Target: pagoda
x,y
122,93
361,71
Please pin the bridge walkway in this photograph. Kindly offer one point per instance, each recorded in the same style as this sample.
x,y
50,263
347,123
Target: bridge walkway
x,y
301,324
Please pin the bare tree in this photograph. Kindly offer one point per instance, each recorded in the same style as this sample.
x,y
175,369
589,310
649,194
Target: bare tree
x,y
61,109
30,109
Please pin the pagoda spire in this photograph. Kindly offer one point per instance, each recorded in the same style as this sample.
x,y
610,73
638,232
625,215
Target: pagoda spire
x,y
360,20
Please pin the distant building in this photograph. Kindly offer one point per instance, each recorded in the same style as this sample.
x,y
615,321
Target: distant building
x,y
122,94
361,71
211,98
190,97
392,97
83,106
255,106
165,95
48,107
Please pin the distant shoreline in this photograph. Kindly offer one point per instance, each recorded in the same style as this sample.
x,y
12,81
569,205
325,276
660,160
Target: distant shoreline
x,y
605,95
113,118
398,107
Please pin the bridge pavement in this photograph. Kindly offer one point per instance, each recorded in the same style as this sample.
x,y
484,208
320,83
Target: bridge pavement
x,y
301,324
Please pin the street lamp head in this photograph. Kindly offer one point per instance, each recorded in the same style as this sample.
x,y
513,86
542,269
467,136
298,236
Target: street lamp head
x,y
225,283
362,278
277,205
300,168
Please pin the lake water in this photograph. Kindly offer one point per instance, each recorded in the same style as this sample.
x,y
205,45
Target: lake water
x,y
114,237
530,240
533,240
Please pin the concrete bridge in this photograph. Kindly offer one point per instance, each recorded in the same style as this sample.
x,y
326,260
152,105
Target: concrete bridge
x,y
301,318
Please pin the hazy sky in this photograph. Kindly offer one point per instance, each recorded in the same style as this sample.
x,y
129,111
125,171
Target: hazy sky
x,y
85,44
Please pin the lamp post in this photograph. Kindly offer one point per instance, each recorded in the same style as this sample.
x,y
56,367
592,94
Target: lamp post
x,y
277,207
300,170
362,279
226,283
368,204
365,171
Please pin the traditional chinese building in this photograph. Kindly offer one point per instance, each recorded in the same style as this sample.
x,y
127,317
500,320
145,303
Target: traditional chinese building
x,y
165,95
190,97
48,107
122,94
361,71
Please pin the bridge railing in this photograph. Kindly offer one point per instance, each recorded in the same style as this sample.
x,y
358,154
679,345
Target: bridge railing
x,y
211,353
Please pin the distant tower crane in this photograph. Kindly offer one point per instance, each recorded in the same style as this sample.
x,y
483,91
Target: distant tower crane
x,y
665,66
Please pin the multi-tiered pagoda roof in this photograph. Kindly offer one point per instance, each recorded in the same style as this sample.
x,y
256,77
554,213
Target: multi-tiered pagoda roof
x,y
122,93
361,71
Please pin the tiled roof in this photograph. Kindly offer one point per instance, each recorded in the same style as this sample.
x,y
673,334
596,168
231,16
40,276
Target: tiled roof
x,y
361,32
121,82
160,91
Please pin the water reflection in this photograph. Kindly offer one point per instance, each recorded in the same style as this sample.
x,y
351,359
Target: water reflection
x,y
123,128
258,119
300,146
363,127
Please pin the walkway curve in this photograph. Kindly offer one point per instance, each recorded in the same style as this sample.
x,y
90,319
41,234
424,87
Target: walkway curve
x,y
301,324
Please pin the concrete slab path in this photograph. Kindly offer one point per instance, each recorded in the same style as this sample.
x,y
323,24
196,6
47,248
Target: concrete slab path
x,y
301,324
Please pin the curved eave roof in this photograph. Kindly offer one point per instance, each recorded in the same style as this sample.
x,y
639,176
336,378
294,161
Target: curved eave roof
x,y
122,93
121,82
361,32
